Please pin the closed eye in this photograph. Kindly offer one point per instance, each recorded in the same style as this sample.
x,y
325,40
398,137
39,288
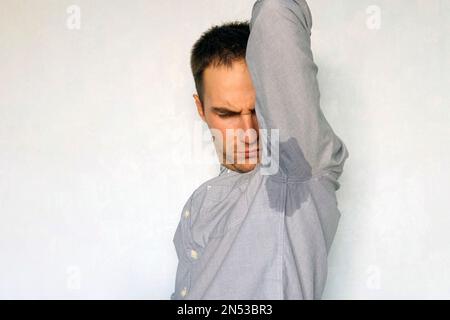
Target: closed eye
x,y
226,115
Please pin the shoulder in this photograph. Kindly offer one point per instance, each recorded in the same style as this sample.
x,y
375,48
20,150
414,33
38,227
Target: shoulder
x,y
214,189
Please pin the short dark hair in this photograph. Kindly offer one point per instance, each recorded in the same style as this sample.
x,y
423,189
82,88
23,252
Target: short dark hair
x,y
218,46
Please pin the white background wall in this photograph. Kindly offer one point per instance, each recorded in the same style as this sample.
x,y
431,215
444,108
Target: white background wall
x,y
97,129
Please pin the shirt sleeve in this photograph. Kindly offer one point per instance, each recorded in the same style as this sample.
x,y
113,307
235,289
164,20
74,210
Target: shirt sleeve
x,y
283,72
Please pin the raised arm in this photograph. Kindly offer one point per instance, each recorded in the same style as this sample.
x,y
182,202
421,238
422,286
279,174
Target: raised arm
x,y
284,74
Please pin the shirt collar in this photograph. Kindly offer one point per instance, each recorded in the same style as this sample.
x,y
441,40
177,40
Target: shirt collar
x,y
223,169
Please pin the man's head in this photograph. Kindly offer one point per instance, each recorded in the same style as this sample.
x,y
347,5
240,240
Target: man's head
x,y
225,96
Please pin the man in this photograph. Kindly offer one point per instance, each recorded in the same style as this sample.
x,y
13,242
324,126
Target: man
x,y
250,233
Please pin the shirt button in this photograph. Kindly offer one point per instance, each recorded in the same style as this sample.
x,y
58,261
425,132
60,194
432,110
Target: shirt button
x,y
183,292
194,254
186,213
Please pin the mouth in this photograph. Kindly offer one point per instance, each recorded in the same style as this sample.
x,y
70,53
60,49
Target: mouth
x,y
250,153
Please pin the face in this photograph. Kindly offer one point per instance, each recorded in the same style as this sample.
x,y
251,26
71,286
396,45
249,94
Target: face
x,y
229,111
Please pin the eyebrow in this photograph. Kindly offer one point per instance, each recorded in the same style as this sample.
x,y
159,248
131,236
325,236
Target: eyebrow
x,y
223,110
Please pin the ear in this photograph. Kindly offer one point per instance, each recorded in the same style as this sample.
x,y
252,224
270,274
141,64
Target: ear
x,y
200,107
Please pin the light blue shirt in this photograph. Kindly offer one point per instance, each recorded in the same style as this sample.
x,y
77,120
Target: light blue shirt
x,y
258,236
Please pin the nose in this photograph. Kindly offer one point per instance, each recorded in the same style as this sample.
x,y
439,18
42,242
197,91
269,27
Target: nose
x,y
250,128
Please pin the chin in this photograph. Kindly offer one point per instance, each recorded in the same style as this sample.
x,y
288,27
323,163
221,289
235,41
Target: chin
x,y
245,167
